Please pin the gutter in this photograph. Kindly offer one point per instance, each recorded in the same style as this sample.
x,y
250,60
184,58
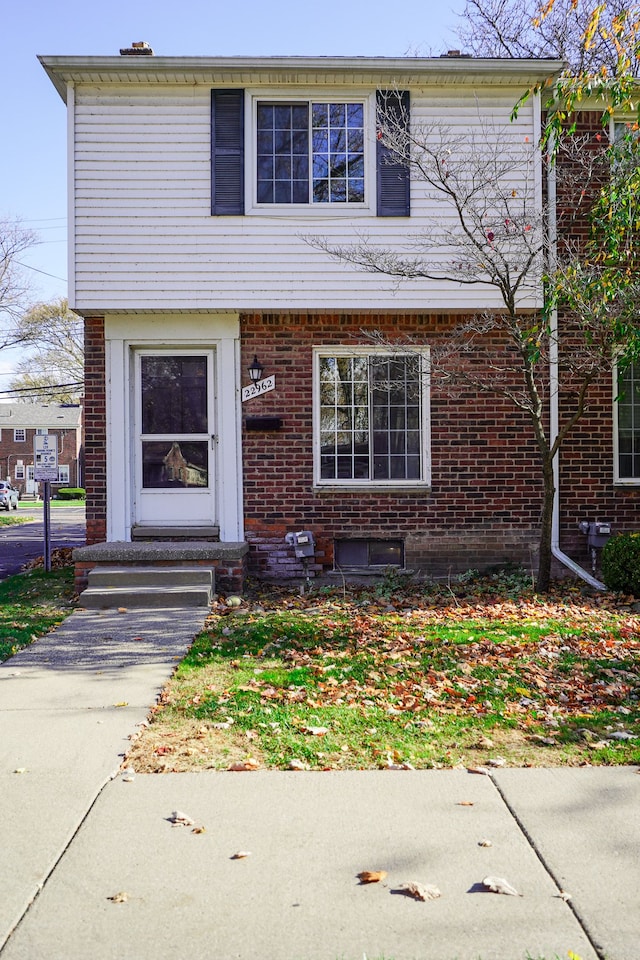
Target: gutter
x,y
554,413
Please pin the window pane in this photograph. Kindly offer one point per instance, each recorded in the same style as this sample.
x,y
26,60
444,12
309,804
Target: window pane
x,y
371,405
283,153
628,417
175,463
174,395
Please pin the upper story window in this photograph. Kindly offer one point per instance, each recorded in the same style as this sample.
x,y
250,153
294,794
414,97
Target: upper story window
x,y
310,153
42,431
627,416
371,418
19,435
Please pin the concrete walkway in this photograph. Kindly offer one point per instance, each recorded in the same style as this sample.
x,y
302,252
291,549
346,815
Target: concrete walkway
x,y
74,833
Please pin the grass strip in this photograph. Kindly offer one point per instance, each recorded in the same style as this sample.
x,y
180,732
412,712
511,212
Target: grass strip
x,y
31,604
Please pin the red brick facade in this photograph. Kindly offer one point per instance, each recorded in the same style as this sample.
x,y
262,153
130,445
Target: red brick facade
x,y
95,419
484,502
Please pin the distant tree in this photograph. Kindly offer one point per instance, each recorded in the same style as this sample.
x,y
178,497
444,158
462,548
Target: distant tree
x,y
14,286
53,365
588,36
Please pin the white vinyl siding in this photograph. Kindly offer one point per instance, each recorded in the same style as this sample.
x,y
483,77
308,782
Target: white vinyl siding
x,y
145,238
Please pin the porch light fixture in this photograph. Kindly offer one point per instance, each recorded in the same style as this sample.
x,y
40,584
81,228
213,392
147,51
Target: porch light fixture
x,y
255,369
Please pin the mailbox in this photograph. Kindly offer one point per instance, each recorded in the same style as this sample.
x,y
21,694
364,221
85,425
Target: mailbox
x,y
303,543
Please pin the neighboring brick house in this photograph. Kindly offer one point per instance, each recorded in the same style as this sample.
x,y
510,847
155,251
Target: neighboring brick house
x,y
20,423
192,202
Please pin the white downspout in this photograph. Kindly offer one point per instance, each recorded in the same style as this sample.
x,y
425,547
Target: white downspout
x,y
554,413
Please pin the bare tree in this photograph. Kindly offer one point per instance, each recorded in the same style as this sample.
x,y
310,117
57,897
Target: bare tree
x,y
14,286
494,232
529,28
53,365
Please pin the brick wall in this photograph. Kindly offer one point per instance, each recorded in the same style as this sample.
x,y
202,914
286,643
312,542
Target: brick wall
x,y
484,503
95,470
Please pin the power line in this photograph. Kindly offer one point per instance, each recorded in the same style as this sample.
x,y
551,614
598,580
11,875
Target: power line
x,y
43,390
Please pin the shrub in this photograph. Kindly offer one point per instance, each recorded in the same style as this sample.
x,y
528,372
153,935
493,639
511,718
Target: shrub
x,y
621,563
70,493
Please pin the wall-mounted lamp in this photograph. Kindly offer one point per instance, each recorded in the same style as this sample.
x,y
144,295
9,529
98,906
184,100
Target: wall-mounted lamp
x,y
255,369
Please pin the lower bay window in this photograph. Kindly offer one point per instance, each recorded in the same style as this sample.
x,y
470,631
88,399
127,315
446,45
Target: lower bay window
x,y
371,418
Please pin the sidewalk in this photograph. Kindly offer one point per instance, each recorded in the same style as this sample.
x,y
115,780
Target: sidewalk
x,y
70,825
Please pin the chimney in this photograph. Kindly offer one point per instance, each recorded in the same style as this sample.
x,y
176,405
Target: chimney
x,y
141,49
456,53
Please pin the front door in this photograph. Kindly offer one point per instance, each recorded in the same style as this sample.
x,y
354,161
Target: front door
x,y
174,438
31,486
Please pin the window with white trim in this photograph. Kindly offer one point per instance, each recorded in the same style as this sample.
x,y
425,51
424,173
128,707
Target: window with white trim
x,y
19,470
63,473
19,435
42,431
627,424
371,418
310,151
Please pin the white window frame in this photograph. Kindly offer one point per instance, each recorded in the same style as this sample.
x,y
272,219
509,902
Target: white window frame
x,y
618,479
310,210
19,471
19,439
425,412
42,432
63,467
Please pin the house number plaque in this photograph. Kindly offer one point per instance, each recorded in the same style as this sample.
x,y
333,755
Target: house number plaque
x,y
257,389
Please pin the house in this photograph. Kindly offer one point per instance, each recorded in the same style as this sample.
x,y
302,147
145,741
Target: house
x,y
233,394
20,423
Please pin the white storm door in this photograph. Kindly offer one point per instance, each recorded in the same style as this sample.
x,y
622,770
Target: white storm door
x,y
174,438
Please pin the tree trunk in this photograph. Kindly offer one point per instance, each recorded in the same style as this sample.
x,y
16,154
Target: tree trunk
x,y
546,527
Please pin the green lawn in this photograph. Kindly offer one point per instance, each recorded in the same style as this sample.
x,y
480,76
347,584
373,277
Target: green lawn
x,y
426,678
31,604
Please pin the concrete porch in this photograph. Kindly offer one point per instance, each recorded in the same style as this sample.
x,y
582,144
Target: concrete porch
x,y
131,566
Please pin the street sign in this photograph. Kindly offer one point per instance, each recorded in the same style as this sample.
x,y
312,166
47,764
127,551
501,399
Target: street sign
x,y
45,457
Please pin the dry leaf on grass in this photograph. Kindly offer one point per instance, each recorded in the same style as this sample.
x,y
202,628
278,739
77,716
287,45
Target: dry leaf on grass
x,y
420,891
179,819
315,731
298,765
371,876
242,765
500,885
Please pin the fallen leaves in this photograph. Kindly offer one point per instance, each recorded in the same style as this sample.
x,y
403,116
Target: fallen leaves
x,y
242,766
179,819
420,891
371,876
500,885
120,897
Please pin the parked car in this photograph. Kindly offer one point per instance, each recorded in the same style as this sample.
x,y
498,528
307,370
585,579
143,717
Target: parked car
x,y
9,496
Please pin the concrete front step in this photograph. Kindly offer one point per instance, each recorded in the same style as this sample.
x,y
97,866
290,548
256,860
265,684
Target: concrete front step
x,y
133,576
150,587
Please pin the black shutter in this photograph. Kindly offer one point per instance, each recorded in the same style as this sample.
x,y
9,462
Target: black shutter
x,y
227,152
393,181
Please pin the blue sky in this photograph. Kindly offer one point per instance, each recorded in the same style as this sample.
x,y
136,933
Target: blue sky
x,y
33,117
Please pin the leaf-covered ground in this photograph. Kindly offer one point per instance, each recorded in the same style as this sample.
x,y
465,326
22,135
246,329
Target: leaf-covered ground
x,y
32,604
480,671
